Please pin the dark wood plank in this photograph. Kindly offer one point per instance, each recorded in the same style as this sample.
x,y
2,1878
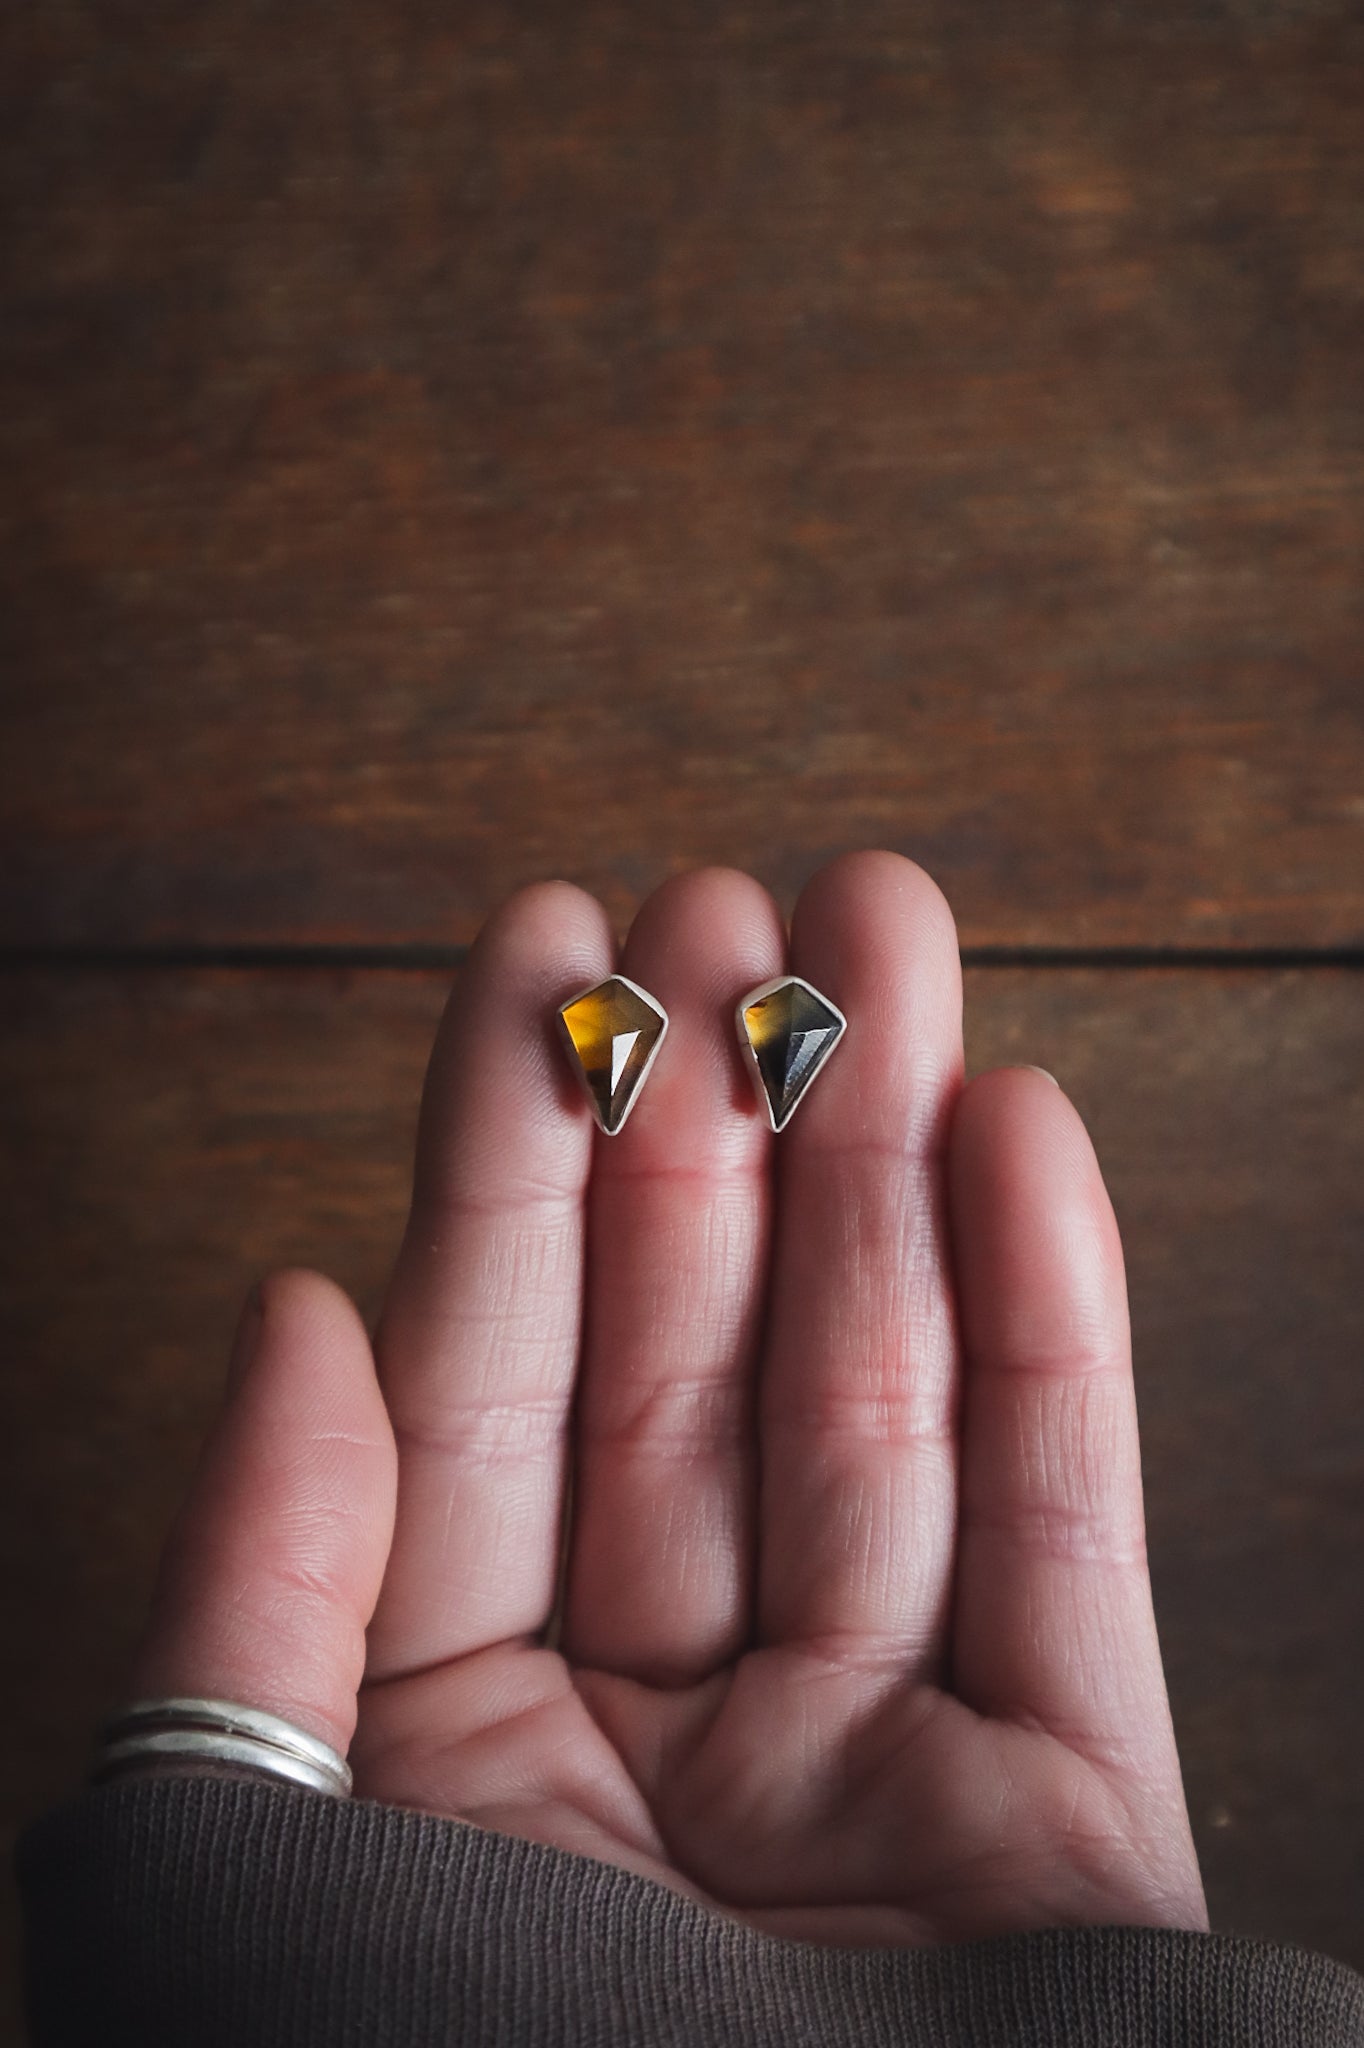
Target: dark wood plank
x,y
446,447
165,1138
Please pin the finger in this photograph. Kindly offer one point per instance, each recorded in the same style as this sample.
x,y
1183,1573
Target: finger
x,y
660,1580
272,1570
1053,1620
478,1342
861,1367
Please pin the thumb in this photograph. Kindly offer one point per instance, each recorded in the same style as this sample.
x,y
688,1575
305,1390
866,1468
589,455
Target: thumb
x,y
273,1566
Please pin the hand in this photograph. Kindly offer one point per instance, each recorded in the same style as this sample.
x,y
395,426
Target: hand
x,y
854,1640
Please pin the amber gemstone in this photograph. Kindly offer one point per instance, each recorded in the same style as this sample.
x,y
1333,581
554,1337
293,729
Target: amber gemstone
x,y
789,1030
612,1033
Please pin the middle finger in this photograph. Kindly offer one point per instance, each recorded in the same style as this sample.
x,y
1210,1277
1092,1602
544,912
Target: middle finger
x,y
860,1382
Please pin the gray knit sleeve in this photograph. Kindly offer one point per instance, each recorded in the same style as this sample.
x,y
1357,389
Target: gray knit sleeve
x,y
184,1912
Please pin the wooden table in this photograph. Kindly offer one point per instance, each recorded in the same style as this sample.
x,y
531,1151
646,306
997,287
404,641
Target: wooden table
x,y
447,447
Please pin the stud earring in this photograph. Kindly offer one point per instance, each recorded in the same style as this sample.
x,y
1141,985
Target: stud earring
x,y
612,1033
788,1030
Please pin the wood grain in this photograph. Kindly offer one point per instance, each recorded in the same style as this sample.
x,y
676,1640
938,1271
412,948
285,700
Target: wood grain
x,y
445,447
164,1138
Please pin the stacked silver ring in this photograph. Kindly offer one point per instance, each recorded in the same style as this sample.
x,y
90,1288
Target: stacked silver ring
x,y
218,1731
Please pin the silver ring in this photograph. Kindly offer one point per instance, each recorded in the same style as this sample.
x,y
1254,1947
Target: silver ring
x,y
219,1731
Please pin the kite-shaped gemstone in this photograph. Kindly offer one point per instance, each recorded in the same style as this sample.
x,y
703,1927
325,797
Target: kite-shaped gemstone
x,y
788,1030
612,1033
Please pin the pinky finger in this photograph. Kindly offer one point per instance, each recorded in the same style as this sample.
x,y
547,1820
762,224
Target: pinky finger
x,y
1054,1624
273,1567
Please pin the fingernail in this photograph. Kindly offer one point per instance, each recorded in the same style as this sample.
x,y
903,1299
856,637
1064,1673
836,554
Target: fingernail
x,y
246,1339
1042,1070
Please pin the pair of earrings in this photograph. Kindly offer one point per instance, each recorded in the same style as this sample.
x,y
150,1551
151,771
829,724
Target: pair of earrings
x,y
613,1032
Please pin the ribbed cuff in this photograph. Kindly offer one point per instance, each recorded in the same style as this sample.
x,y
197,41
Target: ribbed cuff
x,y
201,1911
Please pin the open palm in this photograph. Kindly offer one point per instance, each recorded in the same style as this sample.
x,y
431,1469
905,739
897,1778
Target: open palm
x,y
763,1515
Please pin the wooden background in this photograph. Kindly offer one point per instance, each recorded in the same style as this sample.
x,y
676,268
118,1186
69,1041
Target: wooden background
x,y
448,446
